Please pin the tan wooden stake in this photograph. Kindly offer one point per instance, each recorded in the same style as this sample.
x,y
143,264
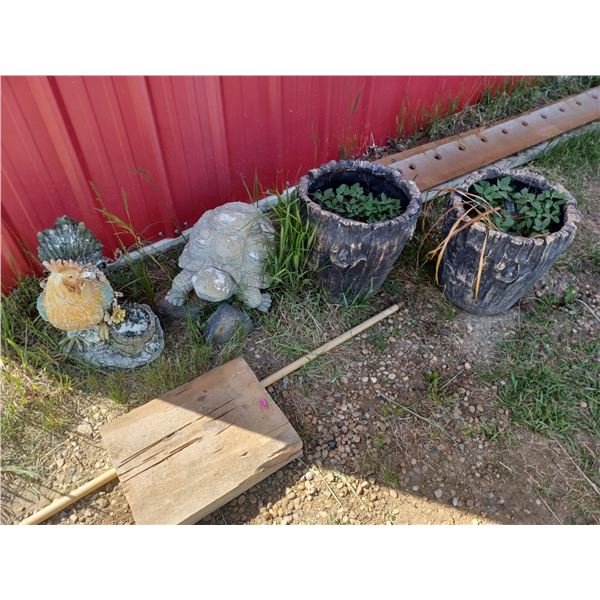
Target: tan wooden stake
x,y
77,494
73,496
271,379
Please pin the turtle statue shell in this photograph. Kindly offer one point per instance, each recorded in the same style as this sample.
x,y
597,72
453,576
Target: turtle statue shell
x,y
225,256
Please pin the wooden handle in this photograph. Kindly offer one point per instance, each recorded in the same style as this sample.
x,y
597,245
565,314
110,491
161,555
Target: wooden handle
x,y
64,501
73,496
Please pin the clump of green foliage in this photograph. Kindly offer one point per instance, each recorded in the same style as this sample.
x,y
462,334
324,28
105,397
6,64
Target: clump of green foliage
x,y
288,260
353,202
525,212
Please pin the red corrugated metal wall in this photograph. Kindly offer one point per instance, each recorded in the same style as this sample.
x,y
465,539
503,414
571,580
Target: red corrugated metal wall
x,y
178,146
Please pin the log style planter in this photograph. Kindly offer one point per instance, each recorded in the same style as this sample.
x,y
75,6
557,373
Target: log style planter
x,y
352,259
511,264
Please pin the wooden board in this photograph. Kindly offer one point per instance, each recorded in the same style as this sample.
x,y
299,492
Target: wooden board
x,y
183,455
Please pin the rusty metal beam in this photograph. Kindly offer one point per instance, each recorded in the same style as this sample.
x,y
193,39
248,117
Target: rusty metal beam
x,y
431,164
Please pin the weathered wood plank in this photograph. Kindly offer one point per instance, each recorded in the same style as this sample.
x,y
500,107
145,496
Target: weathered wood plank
x,y
185,454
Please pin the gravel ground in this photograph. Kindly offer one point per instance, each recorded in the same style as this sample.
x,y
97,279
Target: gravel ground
x,y
367,458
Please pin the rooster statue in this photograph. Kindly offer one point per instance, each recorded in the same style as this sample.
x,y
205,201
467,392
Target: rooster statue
x,y
77,298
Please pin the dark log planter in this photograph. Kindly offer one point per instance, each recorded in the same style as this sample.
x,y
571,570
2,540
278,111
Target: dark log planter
x,y
352,259
512,264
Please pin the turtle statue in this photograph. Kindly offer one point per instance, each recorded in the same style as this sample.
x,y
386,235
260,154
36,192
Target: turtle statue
x,y
225,257
77,298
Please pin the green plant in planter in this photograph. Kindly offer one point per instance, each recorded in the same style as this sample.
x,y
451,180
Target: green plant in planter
x,y
354,203
523,212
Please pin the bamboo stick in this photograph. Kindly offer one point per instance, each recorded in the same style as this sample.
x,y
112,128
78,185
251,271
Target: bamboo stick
x,y
73,496
111,474
271,379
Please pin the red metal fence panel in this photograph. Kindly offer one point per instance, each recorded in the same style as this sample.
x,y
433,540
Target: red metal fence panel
x,y
178,146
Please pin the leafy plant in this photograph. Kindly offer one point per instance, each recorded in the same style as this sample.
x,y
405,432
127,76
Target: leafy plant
x,y
522,212
501,207
355,203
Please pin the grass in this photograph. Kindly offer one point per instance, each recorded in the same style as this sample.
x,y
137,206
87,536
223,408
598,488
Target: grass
x,y
552,381
389,477
577,155
378,339
30,357
433,387
572,162
575,163
294,239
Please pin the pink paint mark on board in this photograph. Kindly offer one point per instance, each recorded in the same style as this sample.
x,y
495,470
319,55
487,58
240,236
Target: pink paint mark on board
x,y
263,403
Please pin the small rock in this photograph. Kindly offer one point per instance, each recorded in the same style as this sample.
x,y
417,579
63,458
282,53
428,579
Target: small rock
x,y
85,429
225,322
309,476
438,493
468,366
102,502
